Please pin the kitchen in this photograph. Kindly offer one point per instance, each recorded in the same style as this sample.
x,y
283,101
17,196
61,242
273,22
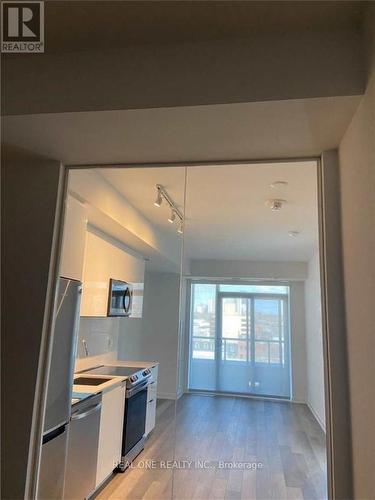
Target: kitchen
x,y
101,406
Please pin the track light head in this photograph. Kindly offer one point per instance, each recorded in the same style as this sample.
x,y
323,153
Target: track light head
x,y
159,199
180,229
172,217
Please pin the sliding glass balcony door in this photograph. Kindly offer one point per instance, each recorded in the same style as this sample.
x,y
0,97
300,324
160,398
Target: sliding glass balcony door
x,y
240,339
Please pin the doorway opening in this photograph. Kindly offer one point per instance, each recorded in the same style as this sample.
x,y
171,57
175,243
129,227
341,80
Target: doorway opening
x,y
225,303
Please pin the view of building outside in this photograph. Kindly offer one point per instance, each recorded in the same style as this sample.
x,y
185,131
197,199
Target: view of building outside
x,y
238,338
203,321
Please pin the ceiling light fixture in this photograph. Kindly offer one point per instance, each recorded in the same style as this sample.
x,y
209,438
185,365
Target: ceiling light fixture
x,y
162,194
159,199
275,204
172,217
278,184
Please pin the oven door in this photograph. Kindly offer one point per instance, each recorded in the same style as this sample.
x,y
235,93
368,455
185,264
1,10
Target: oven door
x,y
135,417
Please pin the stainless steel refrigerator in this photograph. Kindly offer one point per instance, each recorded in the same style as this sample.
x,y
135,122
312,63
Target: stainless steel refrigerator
x,y
59,393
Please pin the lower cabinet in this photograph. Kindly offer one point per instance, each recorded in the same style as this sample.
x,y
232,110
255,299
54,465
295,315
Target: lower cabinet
x,y
151,401
110,434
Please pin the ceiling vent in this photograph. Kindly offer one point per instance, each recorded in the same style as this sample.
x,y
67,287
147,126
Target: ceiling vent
x,y
275,204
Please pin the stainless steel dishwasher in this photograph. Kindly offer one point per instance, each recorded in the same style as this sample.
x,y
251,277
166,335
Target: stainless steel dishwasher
x,y
83,448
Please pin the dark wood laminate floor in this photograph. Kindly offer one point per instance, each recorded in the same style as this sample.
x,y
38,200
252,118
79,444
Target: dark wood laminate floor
x,y
228,448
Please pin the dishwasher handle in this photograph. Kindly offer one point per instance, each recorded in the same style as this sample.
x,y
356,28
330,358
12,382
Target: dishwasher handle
x,y
89,411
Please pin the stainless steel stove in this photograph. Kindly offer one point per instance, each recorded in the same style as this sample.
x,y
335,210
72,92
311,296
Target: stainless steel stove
x,y
133,436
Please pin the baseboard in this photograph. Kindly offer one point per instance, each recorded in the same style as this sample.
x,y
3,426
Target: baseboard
x,y
299,401
169,395
317,418
236,395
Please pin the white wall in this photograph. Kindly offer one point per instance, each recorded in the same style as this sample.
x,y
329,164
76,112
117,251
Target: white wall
x,y
314,341
248,269
155,336
357,176
298,341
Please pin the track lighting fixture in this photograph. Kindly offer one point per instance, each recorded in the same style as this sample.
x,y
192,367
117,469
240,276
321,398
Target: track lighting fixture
x,y
159,199
175,212
279,184
172,217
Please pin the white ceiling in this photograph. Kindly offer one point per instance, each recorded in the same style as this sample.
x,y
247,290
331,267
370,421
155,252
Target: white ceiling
x,y
257,130
226,216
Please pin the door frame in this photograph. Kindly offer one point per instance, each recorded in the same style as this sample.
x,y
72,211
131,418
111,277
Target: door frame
x,y
337,404
251,338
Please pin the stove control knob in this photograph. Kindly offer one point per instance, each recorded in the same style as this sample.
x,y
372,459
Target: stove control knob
x,y
145,372
133,378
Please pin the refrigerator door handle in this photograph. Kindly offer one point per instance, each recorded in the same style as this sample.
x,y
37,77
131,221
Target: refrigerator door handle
x,y
92,409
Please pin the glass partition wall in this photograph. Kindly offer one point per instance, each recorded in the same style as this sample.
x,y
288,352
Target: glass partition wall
x,y
250,236
211,316
130,224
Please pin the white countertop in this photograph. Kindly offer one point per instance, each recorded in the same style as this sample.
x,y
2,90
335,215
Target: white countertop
x,y
133,363
115,380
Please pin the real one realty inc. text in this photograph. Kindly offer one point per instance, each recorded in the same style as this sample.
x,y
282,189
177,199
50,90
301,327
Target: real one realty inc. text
x,y
194,464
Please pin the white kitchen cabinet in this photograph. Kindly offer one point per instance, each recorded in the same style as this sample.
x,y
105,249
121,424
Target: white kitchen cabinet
x,y
74,237
110,433
151,401
105,259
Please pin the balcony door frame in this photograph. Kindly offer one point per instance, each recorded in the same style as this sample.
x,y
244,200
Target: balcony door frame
x,y
218,329
251,338
252,297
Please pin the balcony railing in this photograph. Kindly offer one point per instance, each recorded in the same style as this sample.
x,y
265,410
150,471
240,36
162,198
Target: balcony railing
x,y
266,351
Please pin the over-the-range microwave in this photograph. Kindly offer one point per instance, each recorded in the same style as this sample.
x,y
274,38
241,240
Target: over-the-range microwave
x,y
120,298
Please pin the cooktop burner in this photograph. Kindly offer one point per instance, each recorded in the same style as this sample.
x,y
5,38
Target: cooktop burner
x,y
119,371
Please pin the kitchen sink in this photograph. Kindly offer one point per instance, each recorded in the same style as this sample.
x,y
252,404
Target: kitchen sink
x,y
91,380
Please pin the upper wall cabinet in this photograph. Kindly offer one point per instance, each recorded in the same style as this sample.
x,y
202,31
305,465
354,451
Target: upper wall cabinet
x,y
73,247
104,259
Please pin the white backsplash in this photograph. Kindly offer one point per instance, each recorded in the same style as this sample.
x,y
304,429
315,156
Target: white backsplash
x,y
101,337
91,361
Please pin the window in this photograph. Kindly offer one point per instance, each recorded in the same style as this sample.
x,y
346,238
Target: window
x,y
203,321
240,339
